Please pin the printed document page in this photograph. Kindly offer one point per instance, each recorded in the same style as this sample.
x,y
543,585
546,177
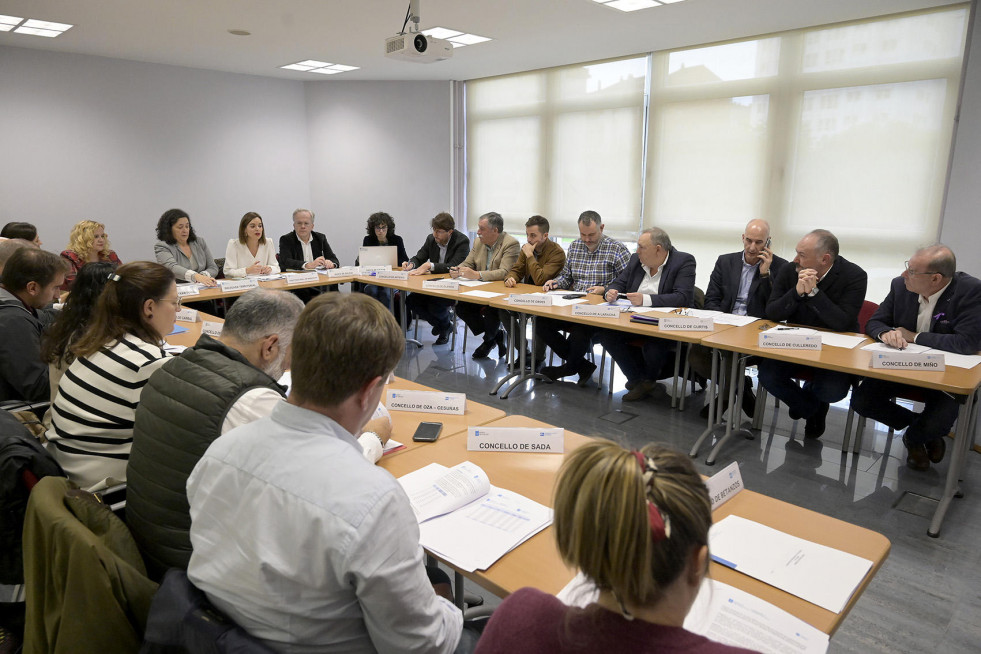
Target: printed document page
x,y
841,340
435,489
819,574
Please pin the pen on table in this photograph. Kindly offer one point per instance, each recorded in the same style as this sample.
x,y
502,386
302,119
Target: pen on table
x,y
783,329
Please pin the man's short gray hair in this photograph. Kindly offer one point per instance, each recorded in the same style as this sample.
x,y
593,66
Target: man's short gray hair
x,y
658,237
589,217
494,220
942,259
827,243
11,245
312,216
261,312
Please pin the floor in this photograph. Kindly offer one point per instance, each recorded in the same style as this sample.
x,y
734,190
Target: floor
x,y
927,595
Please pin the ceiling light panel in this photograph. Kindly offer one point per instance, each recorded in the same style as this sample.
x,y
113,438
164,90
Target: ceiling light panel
x,y
47,25
34,31
319,67
468,39
441,32
456,37
632,5
10,20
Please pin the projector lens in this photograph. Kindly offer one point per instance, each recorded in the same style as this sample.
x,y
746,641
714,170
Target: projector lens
x,y
420,43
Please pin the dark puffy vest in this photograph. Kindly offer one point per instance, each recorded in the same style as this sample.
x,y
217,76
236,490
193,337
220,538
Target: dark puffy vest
x,y
181,411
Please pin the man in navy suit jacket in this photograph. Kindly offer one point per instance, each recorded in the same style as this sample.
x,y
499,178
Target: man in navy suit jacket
x,y
931,305
822,290
656,276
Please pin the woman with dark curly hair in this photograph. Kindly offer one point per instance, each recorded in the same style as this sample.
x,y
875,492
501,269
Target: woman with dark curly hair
x,y
180,250
381,231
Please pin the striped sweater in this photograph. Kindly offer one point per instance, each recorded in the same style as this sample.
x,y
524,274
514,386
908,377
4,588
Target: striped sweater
x,y
92,415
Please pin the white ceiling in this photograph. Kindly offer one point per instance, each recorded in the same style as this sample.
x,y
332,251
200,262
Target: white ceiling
x,y
528,34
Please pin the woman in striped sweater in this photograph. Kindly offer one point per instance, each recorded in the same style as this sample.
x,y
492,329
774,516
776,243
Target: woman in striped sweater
x,y
92,415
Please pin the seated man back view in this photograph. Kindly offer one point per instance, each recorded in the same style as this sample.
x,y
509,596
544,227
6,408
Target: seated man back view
x,y
298,538
211,388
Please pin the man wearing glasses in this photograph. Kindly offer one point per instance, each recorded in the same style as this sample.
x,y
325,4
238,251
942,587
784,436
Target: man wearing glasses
x,y
930,305
821,289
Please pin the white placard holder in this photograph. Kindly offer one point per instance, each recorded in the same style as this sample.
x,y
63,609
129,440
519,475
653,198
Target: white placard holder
x,y
392,274
900,360
188,315
723,485
790,338
686,324
212,329
184,290
442,284
549,440
343,271
232,285
426,401
596,310
529,300
301,278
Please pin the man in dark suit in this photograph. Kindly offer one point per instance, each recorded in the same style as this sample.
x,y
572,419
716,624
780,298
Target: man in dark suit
x,y
656,276
444,248
932,305
822,290
740,284
305,249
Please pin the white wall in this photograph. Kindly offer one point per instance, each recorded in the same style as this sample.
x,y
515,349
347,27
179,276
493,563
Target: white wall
x,y
378,146
962,213
120,142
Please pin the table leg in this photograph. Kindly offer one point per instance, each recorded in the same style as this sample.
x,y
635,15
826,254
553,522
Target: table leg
x,y
710,428
458,590
674,380
520,373
684,376
405,320
962,445
736,373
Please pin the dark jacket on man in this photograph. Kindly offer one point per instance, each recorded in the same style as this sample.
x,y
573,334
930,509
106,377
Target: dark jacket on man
x,y
677,285
724,285
291,251
840,295
456,251
23,376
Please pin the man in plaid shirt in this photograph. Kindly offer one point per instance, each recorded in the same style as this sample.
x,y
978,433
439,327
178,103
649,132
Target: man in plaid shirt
x,y
593,261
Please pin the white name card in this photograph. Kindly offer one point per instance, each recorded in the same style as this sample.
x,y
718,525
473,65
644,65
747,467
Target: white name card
x,y
183,290
302,278
723,485
516,439
530,299
596,310
230,285
188,315
444,284
686,323
426,401
343,271
900,360
392,274
212,329
371,270
790,339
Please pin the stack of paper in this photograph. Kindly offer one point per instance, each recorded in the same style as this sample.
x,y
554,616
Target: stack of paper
x,y
718,316
465,520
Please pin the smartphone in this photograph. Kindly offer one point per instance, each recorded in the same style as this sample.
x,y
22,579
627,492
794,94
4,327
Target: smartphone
x,y
573,296
766,246
427,432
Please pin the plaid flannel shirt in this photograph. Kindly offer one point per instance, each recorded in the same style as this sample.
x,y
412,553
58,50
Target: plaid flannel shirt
x,y
584,268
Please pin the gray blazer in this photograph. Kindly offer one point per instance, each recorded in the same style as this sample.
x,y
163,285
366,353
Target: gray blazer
x,y
172,257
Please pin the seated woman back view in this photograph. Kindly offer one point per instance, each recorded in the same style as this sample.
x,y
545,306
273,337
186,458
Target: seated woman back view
x,y
92,414
636,524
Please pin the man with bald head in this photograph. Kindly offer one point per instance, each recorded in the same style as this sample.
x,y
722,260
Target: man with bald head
x,y
928,304
821,289
741,283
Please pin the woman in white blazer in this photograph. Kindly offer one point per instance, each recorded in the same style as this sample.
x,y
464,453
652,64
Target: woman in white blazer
x,y
251,253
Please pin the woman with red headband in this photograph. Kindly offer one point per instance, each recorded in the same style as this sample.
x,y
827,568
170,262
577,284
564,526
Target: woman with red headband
x,y
636,525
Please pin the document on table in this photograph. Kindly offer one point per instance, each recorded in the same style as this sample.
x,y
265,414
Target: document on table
x,y
728,615
472,282
174,349
951,359
841,340
819,574
482,294
478,533
718,316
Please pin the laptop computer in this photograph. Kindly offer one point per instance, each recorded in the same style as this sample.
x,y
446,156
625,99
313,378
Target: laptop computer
x,y
378,255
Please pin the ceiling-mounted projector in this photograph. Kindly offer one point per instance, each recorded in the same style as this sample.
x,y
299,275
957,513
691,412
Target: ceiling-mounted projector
x,y
418,48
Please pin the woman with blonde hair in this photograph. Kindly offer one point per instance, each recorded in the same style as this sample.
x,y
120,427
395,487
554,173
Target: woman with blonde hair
x,y
93,412
251,253
636,525
87,243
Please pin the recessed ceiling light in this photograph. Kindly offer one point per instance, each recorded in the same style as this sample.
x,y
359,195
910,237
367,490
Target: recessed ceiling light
x,y
10,20
456,37
468,39
296,67
240,32
320,67
4,27
313,63
35,31
342,68
47,25
441,32
632,5
326,71
33,26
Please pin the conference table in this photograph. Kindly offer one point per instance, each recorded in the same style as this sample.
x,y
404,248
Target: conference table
x,y
537,563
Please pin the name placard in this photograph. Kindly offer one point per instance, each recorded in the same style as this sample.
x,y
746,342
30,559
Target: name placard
x,y
907,361
426,401
723,485
183,290
792,339
392,274
212,329
516,439
188,315
595,310
230,285
302,278
371,270
442,284
686,323
343,271
529,299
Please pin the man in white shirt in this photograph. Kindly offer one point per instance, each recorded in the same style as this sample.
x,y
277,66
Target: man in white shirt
x,y
296,536
656,276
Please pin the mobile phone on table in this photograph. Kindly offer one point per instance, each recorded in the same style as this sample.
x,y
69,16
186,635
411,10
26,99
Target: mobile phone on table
x,y
573,296
427,432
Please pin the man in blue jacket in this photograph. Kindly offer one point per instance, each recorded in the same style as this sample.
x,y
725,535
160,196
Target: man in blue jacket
x,y
656,276
932,305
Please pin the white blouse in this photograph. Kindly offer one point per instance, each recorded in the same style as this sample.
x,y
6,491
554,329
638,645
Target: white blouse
x,y
238,257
